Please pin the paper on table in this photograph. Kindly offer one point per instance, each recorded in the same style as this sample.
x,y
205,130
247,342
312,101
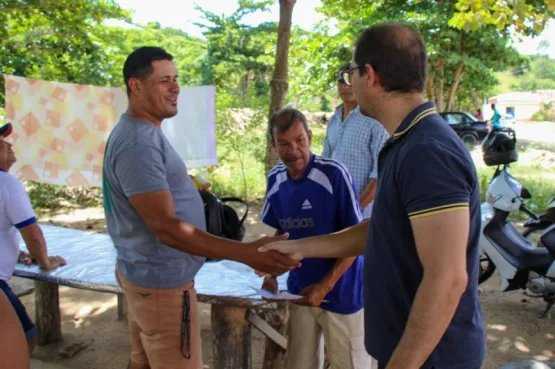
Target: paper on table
x,y
276,296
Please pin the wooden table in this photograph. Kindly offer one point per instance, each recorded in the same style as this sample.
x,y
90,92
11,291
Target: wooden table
x,y
91,258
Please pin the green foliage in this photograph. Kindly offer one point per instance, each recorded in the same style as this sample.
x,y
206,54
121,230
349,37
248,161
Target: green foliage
x,y
57,40
53,197
325,104
527,17
239,58
546,114
476,54
541,75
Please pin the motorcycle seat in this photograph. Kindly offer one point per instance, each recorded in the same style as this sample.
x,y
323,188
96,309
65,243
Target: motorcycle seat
x,y
547,239
517,249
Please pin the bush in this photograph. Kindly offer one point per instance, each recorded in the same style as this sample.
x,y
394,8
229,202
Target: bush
x,y
546,114
53,197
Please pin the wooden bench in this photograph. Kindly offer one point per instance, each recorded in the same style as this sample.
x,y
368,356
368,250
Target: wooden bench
x,y
225,285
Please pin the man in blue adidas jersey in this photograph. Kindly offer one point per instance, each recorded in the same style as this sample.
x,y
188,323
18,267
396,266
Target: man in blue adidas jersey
x,y
309,195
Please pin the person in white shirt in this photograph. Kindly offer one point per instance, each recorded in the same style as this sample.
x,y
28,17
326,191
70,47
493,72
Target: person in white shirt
x,y
17,217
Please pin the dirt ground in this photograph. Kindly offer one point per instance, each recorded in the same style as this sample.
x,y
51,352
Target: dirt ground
x,y
514,331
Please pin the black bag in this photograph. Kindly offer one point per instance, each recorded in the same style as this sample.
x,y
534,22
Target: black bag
x,y
221,219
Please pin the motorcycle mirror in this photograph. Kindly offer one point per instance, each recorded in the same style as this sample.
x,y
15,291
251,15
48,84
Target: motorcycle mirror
x,y
525,194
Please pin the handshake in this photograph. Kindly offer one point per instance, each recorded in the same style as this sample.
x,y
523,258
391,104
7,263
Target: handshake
x,y
272,255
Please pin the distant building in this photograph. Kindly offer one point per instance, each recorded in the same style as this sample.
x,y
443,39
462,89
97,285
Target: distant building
x,y
521,105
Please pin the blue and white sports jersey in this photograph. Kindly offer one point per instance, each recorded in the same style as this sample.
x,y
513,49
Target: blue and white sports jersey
x,y
322,202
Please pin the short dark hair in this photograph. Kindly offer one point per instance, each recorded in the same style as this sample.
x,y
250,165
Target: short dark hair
x,y
139,63
284,119
398,55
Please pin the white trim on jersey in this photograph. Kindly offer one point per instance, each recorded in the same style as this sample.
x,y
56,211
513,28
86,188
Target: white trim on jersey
x,y
277,168
319,177
280,178
347,177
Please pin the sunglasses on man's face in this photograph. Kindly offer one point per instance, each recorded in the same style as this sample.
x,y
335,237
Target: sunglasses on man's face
x,y
346,76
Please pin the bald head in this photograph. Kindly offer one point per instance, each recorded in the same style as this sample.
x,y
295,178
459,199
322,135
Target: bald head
x,y
398,55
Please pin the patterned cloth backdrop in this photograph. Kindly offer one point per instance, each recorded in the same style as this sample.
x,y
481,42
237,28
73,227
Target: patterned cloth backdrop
x,y
60,129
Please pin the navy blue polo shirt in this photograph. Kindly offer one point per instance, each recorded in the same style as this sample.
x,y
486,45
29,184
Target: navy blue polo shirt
x,y
322,201
424,169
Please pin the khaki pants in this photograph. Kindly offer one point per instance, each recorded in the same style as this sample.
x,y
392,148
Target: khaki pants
x,y
164,326
343,336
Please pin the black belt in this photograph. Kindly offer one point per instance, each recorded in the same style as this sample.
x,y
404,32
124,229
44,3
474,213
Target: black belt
x,y
186,326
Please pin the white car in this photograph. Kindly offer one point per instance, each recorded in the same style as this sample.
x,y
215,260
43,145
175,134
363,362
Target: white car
x,y
507,119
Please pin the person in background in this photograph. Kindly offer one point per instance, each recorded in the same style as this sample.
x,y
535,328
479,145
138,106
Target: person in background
x,y
355,141
309,195
479,115
17,218
496,119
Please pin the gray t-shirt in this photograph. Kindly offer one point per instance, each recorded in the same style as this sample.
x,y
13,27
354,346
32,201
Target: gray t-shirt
x,y
139,159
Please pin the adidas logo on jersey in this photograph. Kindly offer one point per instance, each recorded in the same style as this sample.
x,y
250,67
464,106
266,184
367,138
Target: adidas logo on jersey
x,y
306,205
296,223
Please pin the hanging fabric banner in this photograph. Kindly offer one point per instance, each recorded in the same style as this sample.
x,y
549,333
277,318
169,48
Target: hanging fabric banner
x,y
60,129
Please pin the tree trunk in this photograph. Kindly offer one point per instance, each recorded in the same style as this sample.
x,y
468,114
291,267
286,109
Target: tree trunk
x,y
430,88
440,85
456,80
278,84
477,100
273,353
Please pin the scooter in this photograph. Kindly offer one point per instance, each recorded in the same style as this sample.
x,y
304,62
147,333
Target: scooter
x,y
520,265
540,222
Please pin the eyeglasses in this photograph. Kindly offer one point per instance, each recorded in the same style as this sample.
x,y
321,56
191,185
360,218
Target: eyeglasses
x,y
346,76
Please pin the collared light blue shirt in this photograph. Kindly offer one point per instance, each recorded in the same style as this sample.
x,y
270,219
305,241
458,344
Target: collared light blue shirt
x,y
356,143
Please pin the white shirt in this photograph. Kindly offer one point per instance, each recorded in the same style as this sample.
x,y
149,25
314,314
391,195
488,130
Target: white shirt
x,y
15,212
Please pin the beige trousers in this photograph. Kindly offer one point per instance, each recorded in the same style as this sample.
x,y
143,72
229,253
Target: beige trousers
x,y
310,327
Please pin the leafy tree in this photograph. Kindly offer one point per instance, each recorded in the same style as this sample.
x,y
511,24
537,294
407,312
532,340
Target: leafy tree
x,y
453,53
527,17
239,57
56,40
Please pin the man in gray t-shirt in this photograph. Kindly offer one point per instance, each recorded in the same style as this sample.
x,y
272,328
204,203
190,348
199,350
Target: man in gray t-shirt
x,y
155,217
142,258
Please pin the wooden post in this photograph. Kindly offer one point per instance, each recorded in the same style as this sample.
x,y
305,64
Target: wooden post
x,y
47,313
231,337
274,354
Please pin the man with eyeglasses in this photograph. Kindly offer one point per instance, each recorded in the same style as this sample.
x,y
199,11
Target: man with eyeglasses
x,y
421,255
355,141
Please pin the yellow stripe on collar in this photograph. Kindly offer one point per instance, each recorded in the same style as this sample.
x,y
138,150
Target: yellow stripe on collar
x,y
417,119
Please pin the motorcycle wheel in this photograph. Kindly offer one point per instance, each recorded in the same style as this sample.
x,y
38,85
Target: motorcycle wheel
x,y
487,268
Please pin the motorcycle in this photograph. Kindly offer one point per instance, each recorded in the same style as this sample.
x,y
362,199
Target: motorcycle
x,y
537,224
520,265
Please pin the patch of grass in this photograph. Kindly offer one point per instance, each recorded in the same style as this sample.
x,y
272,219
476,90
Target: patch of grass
x,y
523,146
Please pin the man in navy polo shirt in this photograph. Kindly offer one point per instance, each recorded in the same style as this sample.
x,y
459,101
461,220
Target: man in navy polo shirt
x,y
421,245
309,195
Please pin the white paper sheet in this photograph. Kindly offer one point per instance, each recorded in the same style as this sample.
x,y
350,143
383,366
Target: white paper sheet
x,y
284,295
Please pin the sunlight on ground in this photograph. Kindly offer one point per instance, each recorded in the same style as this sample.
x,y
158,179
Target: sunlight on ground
x,y
497,327
521,347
